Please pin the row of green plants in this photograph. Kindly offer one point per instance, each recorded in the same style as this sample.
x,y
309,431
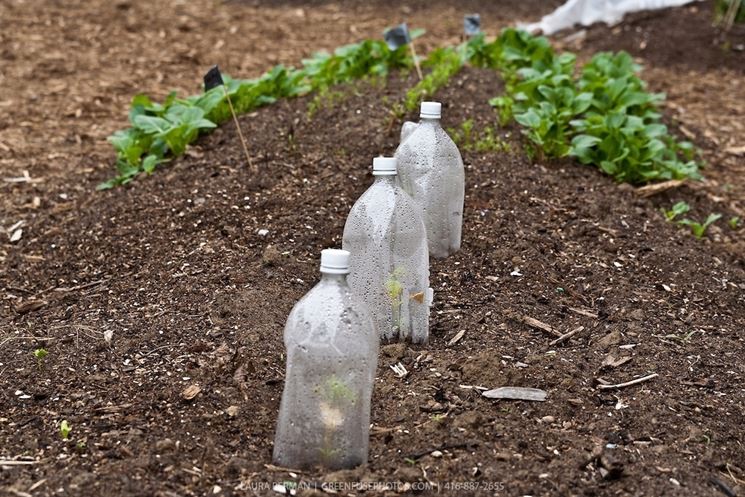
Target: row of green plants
x,y
160,131
602,113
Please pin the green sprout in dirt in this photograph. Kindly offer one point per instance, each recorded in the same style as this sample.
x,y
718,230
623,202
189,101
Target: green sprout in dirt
x,y
437,418
485,141
65,429
395,289
699,229
445,63
336,397
40,354
683,337
734,222
678,209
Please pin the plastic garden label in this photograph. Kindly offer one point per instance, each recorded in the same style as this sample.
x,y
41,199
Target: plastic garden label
x,y
212,79
398,36
472,24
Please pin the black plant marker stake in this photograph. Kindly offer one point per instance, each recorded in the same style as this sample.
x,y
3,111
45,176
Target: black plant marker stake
x,y
399,36
213,79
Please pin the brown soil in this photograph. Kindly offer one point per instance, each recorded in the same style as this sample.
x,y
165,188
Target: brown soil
x,y
684,38
174,272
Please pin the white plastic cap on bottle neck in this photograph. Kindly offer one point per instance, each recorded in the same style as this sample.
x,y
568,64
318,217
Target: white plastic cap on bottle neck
x,y
385,166
430,110
334,261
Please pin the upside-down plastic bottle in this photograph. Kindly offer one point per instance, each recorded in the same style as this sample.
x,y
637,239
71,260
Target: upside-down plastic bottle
x,y
430,169
332,352
389,267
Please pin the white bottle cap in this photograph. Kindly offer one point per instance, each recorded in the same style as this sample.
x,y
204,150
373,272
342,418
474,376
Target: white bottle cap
x,y
431,110
385,166
334,261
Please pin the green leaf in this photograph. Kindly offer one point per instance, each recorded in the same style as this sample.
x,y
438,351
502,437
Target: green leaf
x,y
149,163
151,124
585,141
530,119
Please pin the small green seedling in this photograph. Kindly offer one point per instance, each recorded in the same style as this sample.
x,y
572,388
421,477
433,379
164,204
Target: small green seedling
x,y
734,222
487,140
699,229
437,418
678,209
683,337
394,289
64,429
40,354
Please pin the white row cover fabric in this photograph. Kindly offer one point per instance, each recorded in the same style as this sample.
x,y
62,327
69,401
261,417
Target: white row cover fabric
x,y
587,12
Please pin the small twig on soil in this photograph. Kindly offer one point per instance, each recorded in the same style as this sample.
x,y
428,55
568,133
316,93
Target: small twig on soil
x,y
584,312
534,323
566,336
628,383
80,287
156,349
377,430
272,467
655,188
732,477
8,462
24,338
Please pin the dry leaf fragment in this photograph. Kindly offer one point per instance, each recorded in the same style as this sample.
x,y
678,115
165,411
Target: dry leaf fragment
x,y
16,236
419,297
191,391
611,361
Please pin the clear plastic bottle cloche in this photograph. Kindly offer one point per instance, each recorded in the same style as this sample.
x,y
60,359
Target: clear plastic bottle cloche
x,y
389,268
430,169
332,353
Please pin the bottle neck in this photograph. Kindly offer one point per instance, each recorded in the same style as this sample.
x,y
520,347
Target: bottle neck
x,y
386,179
433,121
334,278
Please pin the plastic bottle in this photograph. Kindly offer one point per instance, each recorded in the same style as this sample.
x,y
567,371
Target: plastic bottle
x,y
430,169
332,353
389,268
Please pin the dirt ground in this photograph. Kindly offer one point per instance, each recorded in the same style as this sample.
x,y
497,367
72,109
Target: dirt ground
x,y
142,293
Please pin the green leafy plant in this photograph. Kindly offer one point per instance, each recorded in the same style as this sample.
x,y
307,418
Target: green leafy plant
x,y
159,131
734,222
699,229
65,429
605,117
484,141
40,355
678,209
394,289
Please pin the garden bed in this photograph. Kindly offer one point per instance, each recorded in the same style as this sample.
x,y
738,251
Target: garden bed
x,y
140,293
